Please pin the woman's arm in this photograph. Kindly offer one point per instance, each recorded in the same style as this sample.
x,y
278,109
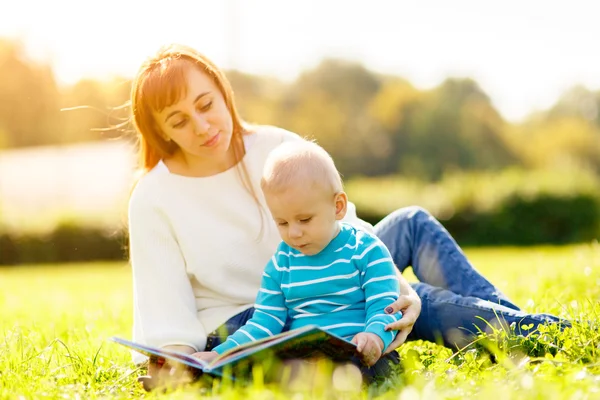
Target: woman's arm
x,y
410,305
165,311
353,219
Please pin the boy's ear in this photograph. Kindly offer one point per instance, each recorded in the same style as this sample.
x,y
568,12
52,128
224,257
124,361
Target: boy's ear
x,y
341,205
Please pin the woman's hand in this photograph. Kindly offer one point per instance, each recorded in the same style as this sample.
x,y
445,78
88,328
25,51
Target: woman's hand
x,y
207,356
162,373
410,305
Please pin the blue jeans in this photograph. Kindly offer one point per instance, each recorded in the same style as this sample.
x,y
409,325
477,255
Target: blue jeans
x,y
457,301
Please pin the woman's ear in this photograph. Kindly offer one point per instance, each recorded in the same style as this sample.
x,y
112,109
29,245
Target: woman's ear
x,y
341,205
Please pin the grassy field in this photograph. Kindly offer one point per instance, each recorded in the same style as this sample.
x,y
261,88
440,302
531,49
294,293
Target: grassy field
x,y
56,320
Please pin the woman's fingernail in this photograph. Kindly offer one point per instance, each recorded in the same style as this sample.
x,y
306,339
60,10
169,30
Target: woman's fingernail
x,y
389,310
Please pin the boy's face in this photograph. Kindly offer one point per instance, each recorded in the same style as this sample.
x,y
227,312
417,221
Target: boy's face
x,y
307,217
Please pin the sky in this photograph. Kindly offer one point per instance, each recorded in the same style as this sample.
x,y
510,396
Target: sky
x,y
523,53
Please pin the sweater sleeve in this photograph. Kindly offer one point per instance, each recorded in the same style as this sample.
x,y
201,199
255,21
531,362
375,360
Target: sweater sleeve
x,y
380,283
165,310
270,311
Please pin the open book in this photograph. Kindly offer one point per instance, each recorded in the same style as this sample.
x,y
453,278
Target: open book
x,y
305,342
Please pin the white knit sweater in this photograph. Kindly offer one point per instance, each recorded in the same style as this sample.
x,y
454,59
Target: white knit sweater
x,y
197,250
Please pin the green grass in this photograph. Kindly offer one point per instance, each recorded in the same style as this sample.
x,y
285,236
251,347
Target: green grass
x,y
55,321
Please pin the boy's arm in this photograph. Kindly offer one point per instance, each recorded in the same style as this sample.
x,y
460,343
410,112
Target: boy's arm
x,y
269,315
381,287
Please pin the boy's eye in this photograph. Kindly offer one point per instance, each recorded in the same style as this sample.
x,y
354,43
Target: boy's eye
x,y
282,223
305,220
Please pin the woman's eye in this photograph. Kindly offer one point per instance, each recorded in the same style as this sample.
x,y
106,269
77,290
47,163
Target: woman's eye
x,y
305,220
207,106
180,124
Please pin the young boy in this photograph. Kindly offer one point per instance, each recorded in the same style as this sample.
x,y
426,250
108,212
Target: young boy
x,y
325,272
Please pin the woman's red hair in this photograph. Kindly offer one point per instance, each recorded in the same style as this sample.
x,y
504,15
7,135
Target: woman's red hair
x,y
161,82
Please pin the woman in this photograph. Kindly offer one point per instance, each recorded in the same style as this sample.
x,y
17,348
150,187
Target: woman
x,y
200,233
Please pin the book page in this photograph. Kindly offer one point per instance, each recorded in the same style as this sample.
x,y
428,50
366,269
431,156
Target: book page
x,y
301,343
171,355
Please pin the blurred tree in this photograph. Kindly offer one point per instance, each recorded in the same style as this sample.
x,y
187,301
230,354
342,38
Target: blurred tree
x,y
392,108
371,124
256,97
566,135
91,107
558,142
577,102
330,104
28,98
453,126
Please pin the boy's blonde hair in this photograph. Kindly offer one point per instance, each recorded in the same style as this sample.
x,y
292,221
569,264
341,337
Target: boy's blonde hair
x,y
300,163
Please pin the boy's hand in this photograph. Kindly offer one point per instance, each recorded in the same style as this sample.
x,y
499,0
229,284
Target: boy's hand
x,y
207,356
369,346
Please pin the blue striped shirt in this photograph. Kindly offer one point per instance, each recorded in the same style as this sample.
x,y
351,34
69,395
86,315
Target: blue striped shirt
x,y
343,289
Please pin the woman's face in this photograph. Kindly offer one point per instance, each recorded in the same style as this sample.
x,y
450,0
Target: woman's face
x,y
200,122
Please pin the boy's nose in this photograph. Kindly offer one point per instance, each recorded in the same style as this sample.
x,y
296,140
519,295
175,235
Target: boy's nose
x,y
295,232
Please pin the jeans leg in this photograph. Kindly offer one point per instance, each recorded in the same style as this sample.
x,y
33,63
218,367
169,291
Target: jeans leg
x,y
414,237
453,320
234,323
